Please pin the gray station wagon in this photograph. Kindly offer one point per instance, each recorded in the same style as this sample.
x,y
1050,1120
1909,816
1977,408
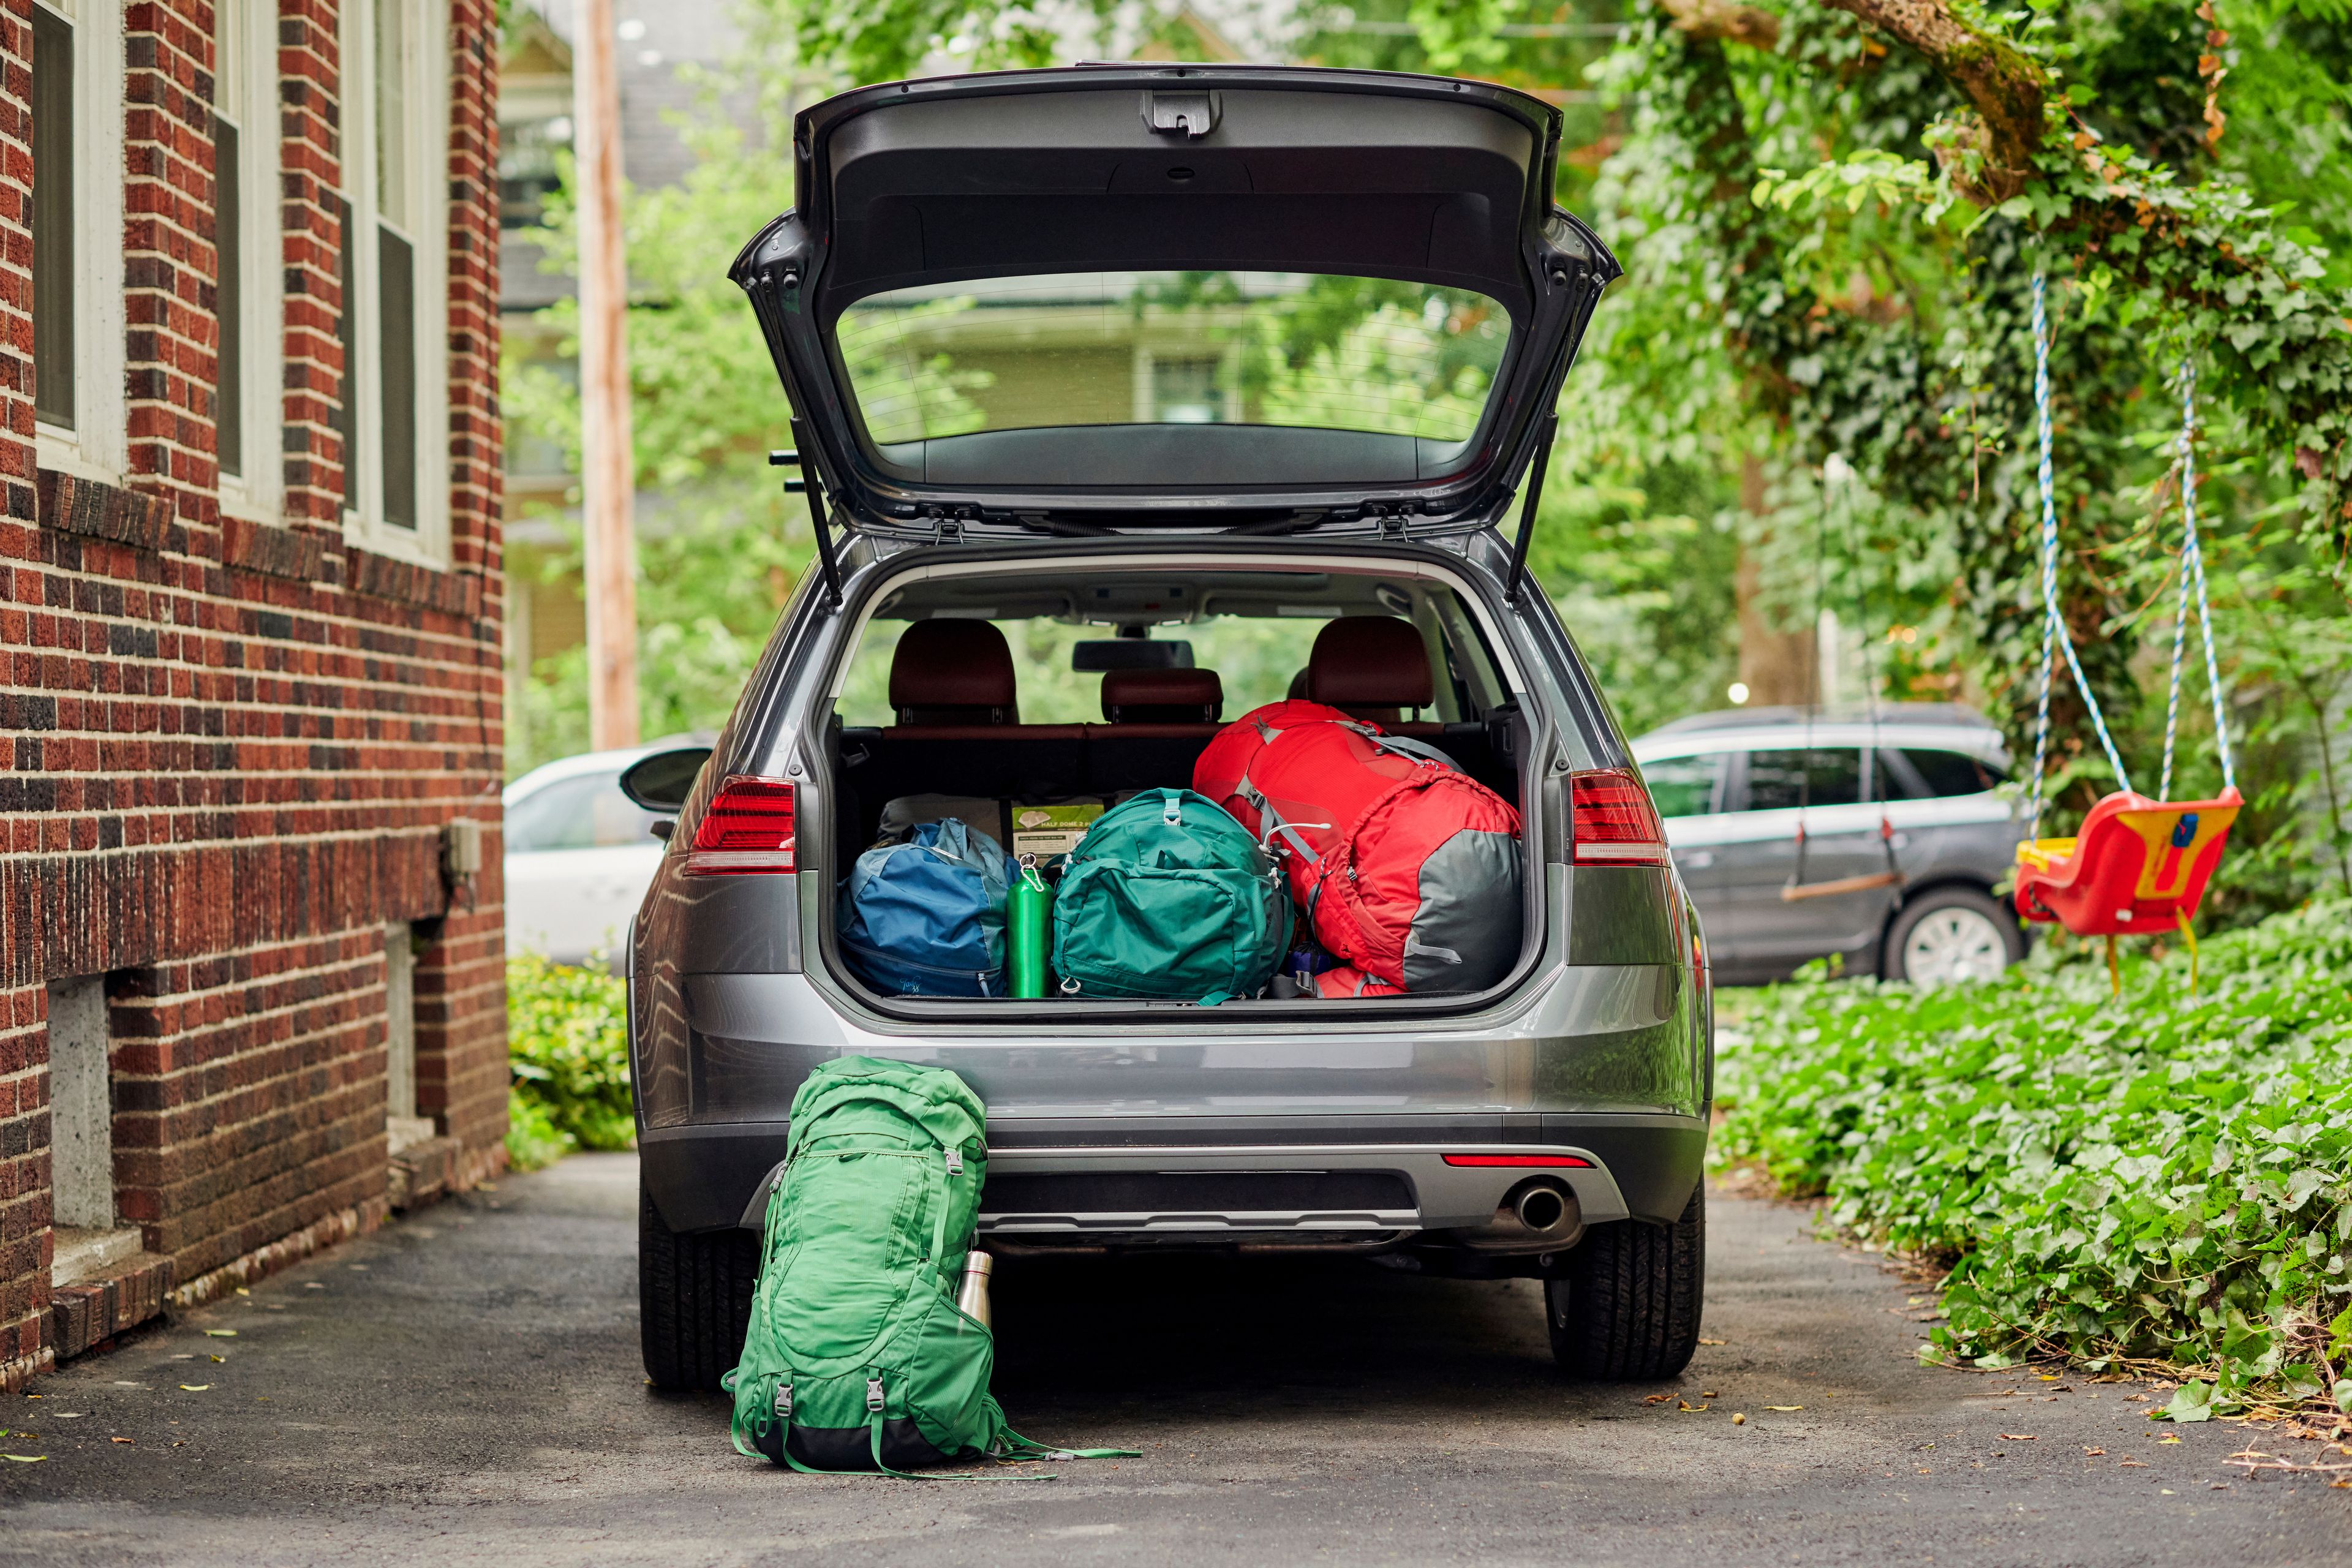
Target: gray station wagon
x,y
1877,838
1201,386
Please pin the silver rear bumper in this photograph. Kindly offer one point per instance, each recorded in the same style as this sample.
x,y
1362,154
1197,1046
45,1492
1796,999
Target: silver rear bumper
x,y
1444,1196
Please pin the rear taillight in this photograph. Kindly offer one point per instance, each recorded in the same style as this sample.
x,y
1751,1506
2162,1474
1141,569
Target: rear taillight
x,y
1520,1161
746,830
1611,821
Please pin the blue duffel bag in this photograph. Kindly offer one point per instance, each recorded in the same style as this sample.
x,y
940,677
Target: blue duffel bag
x,y
926,917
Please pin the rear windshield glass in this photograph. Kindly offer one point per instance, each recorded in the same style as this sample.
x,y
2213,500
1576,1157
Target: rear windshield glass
x,y
1253,633
1172,348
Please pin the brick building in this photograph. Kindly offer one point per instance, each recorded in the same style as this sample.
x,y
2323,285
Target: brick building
x,y
250,661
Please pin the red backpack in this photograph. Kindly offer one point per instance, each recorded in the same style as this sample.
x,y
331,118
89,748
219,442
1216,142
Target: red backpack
x,y
1407,868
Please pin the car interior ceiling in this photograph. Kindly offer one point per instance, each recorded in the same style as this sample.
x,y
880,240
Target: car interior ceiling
x,y
1404,654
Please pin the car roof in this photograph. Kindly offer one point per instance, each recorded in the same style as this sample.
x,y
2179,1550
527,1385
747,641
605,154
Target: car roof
x,y
1937,713
1944,728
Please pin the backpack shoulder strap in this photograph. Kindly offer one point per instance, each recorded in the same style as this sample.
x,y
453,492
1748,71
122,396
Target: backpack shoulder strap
x,y
1013,1446
1404,747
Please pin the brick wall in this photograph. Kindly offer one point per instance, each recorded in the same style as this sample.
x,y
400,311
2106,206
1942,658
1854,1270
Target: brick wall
x,y
461,999
24,1020
231,743
15,258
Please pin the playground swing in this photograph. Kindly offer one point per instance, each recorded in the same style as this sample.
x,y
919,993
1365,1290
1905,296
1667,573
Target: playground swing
x,y
2137,864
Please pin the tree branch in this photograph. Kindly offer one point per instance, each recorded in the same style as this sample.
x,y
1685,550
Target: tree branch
x,y
1709,20
2006,88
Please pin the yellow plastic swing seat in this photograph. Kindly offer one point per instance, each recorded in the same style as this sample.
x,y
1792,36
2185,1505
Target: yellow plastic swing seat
x,y
2138,865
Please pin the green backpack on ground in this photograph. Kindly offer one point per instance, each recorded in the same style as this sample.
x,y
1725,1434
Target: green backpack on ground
x,y
1168,898
857,1357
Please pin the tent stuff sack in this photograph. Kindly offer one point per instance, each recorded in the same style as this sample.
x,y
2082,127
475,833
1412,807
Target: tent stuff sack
x,y
1168,898
926,918
1048,830
857,1357
1408,869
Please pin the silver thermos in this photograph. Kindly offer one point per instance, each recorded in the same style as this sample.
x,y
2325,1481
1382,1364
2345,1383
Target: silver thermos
x,y
973,1296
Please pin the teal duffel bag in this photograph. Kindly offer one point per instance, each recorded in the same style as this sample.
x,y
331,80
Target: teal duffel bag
x,y
1167,898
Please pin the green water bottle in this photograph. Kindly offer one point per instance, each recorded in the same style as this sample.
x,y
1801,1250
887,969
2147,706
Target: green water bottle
x,y
1029,917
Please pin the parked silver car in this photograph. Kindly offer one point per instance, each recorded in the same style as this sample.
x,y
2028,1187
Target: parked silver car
x,y
579,857
1243,365
1878,838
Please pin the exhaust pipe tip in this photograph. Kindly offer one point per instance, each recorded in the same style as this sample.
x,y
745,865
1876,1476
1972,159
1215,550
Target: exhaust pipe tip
x,y
1543,1208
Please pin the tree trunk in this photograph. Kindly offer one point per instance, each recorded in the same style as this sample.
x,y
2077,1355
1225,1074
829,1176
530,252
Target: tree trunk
x,y
1779,668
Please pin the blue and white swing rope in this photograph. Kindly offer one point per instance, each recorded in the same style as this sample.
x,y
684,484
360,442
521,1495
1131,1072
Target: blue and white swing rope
x,y
2193,571
2054,636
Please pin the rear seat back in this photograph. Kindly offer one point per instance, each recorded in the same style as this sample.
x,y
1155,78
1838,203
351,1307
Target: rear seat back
x,y
1058,761
954,673
1375,667
953,692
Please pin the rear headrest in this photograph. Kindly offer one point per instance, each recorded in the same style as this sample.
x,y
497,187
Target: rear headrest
x,y
953,672
1370,662
1163,696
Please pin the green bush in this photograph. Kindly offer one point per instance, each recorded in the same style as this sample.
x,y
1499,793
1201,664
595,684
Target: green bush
x,y
567,1042
2158,1177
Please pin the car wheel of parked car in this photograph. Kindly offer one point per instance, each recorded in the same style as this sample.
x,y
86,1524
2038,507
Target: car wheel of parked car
x,y
1950,934
1629,1308
694,1298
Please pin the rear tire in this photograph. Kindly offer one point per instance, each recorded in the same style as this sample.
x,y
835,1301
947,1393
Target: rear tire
x,y
1628,1310
1952,934
694,1298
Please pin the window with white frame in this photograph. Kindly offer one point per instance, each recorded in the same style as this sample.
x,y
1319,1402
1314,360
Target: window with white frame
x,y
247,411
394,274
79,323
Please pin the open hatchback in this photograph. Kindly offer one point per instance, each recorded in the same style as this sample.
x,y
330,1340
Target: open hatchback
x,y
1128,400
1185,297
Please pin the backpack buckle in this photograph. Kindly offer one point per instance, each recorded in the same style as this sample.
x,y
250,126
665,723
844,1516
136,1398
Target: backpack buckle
x,y
955,1162
874,1395
783,1402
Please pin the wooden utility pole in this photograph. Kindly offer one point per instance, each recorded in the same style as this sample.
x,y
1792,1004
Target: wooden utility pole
x,y
607,476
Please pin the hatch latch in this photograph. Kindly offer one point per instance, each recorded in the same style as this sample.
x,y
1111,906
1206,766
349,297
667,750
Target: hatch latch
x,y
1186,114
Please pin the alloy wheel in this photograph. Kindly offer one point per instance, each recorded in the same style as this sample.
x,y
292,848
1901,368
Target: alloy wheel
x,y
1954,944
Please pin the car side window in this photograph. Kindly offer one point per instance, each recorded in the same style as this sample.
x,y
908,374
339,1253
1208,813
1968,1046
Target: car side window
x,y
1783,781
1685,786
1952,773
588,812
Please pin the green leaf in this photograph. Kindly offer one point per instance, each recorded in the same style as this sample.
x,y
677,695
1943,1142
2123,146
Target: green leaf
x,y
2190,1402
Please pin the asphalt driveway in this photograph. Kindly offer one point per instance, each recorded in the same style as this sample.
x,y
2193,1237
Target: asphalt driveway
x,y
463,1388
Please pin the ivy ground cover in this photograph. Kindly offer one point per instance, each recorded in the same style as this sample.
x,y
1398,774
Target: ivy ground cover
x,y
567,1046
2163,1177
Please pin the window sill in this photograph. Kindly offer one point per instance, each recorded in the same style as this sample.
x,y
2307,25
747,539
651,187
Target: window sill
x,y
56,448
247,506
410,582
96,509
426,546
80,1254
271,550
